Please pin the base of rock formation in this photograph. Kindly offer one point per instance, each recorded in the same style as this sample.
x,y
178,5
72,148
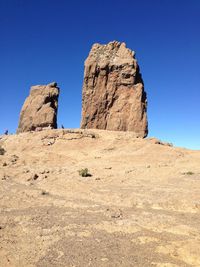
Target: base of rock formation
x,y
139,206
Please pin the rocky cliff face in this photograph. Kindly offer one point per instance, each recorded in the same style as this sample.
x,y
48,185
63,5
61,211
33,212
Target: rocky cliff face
x,y
40,108
113,91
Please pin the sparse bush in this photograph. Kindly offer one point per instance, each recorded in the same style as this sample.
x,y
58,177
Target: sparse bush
x,y
189,173
2,151
84,172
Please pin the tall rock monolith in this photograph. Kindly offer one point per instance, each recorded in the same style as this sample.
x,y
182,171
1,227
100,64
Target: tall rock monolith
x,y
40,108
113,96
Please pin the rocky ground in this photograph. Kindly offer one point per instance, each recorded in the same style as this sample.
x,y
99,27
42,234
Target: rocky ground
x,y
140,206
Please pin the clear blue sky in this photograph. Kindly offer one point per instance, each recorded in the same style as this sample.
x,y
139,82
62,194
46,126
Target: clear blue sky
x,y
48,40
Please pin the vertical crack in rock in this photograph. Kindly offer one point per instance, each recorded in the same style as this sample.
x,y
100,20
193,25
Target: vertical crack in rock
x,y
40,108
113,96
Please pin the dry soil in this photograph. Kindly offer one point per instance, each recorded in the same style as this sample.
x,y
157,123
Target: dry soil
x,y
140,206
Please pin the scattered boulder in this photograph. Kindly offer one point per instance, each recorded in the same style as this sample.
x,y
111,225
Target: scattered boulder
x,y
113,96
40,109
159,142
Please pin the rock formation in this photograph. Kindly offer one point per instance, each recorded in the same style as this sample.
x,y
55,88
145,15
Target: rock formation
x,y
113,95
40,108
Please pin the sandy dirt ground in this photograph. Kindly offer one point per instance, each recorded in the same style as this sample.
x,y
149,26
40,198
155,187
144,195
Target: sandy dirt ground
x,y
140,206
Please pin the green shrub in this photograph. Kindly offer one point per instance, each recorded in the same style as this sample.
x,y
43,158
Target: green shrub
x,y
84,172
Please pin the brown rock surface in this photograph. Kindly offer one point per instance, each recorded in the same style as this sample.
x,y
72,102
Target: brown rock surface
x,y
113,90
40,108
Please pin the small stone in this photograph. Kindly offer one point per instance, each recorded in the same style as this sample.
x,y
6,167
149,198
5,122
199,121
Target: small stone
x,y
35,176
14,159
44,193
4,177
104,259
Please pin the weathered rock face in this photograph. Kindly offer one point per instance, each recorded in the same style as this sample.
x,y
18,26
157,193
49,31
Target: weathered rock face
x,y
40,108
113,91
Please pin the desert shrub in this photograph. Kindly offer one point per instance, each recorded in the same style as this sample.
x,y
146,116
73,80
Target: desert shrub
x,y
189,173
84,172
2,151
